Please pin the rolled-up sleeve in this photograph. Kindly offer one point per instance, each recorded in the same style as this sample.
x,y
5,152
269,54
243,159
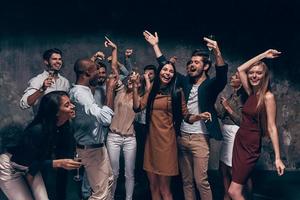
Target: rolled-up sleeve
x,y
102,114
34,85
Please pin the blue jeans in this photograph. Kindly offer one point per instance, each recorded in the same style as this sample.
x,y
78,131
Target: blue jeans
x,y
114,144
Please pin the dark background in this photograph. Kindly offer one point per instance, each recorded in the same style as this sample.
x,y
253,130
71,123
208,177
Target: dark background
x,y
245,27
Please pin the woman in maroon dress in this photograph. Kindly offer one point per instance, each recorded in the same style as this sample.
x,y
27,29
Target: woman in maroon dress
x,y
259,111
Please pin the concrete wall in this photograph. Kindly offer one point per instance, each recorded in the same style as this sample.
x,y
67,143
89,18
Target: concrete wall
x,y
20,59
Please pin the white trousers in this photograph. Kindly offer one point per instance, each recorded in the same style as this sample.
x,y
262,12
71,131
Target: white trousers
x,y
13,183
115,143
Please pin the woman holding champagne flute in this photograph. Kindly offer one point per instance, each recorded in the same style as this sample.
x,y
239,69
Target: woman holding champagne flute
x,y
47,136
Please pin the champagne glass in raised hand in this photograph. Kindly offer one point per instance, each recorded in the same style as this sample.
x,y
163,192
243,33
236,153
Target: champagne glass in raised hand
x,y
212,37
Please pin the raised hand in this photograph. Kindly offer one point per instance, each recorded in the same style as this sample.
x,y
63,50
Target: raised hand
x,y
48,82
98,55
211,44
128,52
272,53
173,59
151,39
109,43
111,82
109,58
147,81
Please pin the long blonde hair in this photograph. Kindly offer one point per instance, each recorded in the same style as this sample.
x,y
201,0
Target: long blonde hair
x,y
263,89
264,85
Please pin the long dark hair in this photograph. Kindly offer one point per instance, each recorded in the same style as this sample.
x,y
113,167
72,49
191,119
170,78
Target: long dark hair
x,y
47,113
171,90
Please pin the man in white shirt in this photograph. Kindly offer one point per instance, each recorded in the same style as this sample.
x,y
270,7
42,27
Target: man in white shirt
x,y
48,81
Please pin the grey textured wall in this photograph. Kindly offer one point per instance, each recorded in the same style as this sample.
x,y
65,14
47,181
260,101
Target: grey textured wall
x,y
20,59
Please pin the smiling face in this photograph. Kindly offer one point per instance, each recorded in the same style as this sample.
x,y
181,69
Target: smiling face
x,y
54,62
166,74
256,75
196,67
66,109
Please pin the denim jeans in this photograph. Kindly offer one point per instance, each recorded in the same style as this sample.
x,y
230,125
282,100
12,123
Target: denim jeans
x,y
85,187
114,144
13,183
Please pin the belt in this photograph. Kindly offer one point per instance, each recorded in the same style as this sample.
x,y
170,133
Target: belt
x,y
91,146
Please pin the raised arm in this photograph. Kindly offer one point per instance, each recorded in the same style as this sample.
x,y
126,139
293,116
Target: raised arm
x,y
110,88
153,41
99,55
114,56
270,106
136,98
217,53
126,68
128,63
271,53
139,103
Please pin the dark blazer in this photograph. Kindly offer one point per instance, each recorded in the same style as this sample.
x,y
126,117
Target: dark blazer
x,y
208,92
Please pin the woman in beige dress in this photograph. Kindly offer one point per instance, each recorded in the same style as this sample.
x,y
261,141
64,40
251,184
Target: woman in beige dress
x,y
166,108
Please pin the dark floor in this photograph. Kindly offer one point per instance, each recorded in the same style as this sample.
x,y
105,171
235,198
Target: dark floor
x,y
267,186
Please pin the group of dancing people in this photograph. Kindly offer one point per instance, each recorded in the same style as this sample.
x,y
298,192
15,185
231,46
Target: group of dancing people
x,y
168,116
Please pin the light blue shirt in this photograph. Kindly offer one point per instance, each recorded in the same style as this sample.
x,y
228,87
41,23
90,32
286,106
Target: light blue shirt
x,y
90,117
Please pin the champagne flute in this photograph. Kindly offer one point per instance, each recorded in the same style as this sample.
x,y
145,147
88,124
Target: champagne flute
x,y
212,37
77,177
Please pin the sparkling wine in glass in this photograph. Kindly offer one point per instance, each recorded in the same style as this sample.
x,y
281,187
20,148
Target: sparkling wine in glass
x,y
77,177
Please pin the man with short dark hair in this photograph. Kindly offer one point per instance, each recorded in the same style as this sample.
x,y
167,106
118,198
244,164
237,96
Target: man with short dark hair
x,y
48,81
89,122
99,92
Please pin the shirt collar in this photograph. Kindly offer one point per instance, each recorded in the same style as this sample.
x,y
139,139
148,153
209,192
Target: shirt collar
x,y
82,87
